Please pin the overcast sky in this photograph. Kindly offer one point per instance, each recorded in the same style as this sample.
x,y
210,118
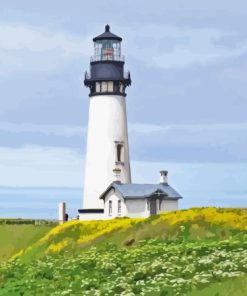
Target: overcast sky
x,y
187,105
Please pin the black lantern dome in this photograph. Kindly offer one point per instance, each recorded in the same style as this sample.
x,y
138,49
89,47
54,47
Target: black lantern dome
x,y
107,74
107,35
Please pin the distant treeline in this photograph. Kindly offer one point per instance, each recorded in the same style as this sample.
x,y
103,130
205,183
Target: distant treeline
x,y
27,221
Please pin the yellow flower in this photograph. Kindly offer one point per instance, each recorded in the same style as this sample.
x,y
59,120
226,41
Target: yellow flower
x,y
55,248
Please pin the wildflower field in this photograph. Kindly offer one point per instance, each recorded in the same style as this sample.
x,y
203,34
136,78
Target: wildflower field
x,y
178,253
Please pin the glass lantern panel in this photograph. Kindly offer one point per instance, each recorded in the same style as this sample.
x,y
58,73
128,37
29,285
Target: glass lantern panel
x,y
97,51
107,50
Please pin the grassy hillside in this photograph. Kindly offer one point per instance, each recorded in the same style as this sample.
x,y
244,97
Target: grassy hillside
x,y
13,238
235,287
168,254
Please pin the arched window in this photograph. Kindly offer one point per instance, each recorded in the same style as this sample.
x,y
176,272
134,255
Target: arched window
x,y
119,150
110,207
119,208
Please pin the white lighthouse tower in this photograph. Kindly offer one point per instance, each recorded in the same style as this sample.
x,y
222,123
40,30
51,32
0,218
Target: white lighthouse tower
x,y
107,139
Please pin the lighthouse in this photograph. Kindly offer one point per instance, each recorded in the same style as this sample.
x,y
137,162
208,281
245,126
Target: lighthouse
x,y
108,190
107,137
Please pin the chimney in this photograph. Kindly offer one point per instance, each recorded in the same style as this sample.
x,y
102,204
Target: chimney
x,y
163,177
116,174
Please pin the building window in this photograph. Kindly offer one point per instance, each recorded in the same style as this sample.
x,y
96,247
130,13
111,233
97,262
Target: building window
x,y
98,87
148,205
104,86
119,150
110,207
121,88
119,208
110,86
119,156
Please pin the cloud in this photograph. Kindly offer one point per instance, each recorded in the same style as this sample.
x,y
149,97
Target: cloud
x,y
169,47
46,129
201,184
141,128
39,39
41,166
147,128
25,48
219,142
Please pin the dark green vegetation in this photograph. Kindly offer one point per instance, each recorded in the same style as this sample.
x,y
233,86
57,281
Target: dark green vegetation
x,y
13,238
181,253
18,221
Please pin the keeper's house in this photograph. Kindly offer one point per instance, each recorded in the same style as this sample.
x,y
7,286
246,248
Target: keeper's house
x,y
135,200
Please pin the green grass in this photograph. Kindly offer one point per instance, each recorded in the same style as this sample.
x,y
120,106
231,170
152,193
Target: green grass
x,y
179,253
206,224
232,287
14,238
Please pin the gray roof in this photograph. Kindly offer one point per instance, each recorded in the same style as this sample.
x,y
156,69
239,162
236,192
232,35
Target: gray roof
x,y
133,191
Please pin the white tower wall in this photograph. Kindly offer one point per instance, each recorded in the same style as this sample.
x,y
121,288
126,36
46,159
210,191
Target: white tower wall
x,y
107,128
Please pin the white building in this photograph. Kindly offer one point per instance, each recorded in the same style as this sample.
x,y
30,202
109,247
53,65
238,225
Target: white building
x,y
107,143
136,200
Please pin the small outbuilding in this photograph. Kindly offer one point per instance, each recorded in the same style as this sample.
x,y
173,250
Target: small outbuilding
x,y
135,200
139,200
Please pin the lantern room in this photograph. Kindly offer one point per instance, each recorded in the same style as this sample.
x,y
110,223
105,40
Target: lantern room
x,y
107,75
107,46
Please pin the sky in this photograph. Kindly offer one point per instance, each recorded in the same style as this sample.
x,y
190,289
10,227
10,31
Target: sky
x,y
187,105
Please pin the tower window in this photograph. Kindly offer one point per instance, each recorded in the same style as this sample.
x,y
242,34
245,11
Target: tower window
x,y
119,208
110,86
104,86
110,207
119,150
98,87
121,89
